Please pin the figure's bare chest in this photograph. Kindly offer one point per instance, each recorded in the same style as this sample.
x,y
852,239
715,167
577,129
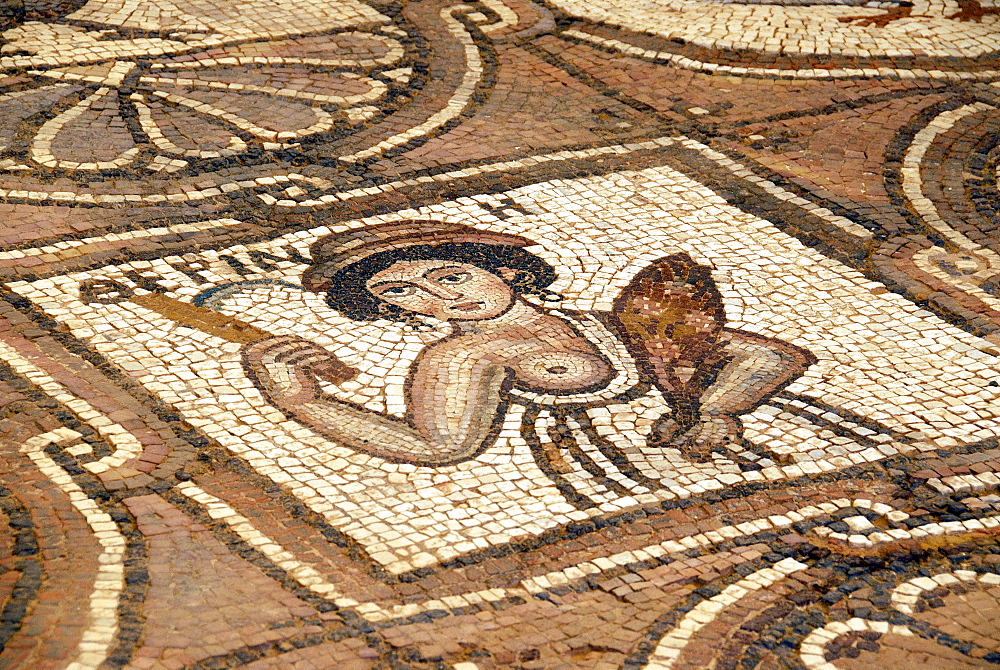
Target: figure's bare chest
x,y
557,361
560,370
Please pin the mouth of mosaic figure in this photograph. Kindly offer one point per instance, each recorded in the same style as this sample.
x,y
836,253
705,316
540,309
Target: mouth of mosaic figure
x,y
95,105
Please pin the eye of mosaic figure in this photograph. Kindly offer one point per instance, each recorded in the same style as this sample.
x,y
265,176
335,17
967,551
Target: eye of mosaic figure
x,y
442,289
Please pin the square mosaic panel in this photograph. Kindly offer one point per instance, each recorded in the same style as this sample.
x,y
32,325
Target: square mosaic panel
x,y
877,359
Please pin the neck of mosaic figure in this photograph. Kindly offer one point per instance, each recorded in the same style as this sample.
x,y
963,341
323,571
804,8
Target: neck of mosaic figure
x,y
520,315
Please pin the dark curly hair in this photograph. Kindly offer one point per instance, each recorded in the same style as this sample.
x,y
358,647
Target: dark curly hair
x,y
349,295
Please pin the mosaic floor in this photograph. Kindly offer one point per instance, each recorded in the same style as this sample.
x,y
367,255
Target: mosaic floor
x,y
499,334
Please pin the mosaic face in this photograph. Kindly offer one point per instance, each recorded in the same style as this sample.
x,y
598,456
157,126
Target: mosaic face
x,y
442,289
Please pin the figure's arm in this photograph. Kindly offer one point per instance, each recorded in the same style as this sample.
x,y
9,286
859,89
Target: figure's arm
x,y
751,368
453,403
755,368
672,318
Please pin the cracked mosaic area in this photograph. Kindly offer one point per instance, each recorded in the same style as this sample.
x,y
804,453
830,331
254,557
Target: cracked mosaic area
x,y
436,335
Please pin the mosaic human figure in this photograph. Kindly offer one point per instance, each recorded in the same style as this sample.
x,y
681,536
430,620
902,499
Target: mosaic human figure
x,y
667,325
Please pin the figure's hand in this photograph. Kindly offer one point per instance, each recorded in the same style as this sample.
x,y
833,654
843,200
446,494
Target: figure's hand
x,y
302,354
700,438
